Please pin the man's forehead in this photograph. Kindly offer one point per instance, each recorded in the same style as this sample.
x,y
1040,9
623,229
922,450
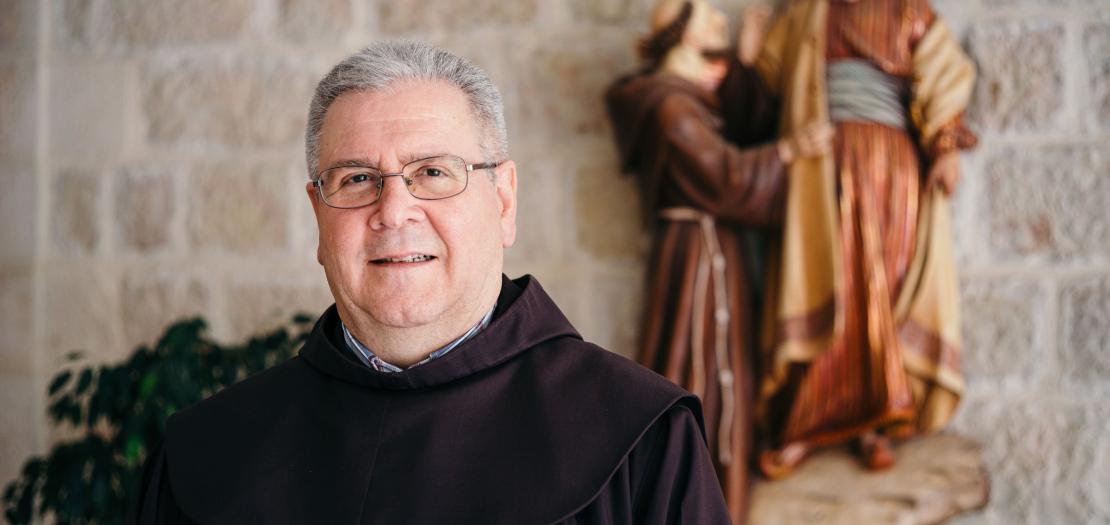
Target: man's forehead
x,y
416,116
407,103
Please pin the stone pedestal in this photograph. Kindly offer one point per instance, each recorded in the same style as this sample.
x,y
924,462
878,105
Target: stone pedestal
x,y
936,478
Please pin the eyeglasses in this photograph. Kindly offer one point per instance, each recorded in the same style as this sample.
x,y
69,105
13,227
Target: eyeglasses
x,y
428,179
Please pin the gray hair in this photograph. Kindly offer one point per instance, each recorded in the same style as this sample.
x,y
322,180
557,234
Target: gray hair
x,y
380,65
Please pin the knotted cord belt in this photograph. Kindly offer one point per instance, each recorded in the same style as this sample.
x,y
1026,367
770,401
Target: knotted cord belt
x,y
711,267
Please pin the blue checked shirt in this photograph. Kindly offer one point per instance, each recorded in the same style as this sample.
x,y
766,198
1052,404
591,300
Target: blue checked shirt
x,y
369,359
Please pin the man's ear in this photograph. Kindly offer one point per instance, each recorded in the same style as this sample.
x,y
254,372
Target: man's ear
x,y
505,185
314,199
310,189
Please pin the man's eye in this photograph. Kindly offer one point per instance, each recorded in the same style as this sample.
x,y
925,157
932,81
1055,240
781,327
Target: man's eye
x,y
357,178
432,171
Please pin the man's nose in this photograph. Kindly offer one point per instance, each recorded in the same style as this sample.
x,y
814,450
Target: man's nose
x,y
395,206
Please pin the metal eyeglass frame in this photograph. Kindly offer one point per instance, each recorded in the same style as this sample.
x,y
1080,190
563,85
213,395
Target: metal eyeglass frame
x,y
319,182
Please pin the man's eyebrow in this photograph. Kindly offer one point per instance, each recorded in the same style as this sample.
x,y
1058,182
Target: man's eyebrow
x,y
367,163
351,163
407,158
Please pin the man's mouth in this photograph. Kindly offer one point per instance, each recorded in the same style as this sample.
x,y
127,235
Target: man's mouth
x,y
405,259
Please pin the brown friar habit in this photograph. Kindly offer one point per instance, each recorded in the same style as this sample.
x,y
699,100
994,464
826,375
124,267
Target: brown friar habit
x,y
701,190
525,423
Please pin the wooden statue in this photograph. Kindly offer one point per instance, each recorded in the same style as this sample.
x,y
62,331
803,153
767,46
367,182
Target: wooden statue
x,y
701,191
861,335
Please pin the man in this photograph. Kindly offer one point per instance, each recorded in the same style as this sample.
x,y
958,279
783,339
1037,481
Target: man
x,y
435,390
704,193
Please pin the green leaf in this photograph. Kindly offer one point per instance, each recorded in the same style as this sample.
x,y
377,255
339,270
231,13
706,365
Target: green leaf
x,y
302,318
146,387
100,491
61,409
84,381
59,382
91,480
23,508
133,449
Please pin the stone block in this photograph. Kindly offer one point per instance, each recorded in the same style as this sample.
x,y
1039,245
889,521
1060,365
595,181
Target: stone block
x,y
18,101
144,208
1084,329
82,305
1049,202
314,20
1021,78
90,110
1099,484
249,105
303,231
543,218
16,345
153,23
18,25
935,478
430,16
257,307
566,82
241,207
73,21
734,8
636,13
1038,451
609,220
19,423
614,308
568,284
505,67
18,215
956,13
1001,320
1096,43
1063,4
150,303
75,223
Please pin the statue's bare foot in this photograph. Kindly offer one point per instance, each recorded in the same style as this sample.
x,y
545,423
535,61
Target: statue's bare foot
x,y
778,464
875,451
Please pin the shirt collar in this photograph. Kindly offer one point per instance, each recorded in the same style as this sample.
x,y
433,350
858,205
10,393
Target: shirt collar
x,y
368,358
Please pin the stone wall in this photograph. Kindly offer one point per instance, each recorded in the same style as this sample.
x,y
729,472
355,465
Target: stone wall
x,y
152,168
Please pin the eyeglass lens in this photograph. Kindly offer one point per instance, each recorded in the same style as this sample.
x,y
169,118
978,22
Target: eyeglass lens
x,y
430,179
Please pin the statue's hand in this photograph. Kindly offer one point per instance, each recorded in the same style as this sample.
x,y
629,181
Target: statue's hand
x,y
814,139
753,28
945,172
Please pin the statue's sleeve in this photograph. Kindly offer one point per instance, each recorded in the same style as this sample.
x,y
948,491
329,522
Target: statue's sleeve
x,y
943,79
749,106
740,185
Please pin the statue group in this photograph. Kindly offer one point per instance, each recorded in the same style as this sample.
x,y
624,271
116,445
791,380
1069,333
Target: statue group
x,y
801,281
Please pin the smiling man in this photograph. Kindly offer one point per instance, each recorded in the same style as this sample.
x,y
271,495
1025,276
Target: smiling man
x,y
436,390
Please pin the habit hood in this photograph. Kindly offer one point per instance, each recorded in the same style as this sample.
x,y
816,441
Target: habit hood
x,y
523,423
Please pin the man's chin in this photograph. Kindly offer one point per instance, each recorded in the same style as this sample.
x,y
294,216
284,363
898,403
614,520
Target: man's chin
x,y
404,308
395,303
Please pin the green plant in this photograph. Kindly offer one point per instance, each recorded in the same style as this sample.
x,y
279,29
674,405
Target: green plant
x,y
120,411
